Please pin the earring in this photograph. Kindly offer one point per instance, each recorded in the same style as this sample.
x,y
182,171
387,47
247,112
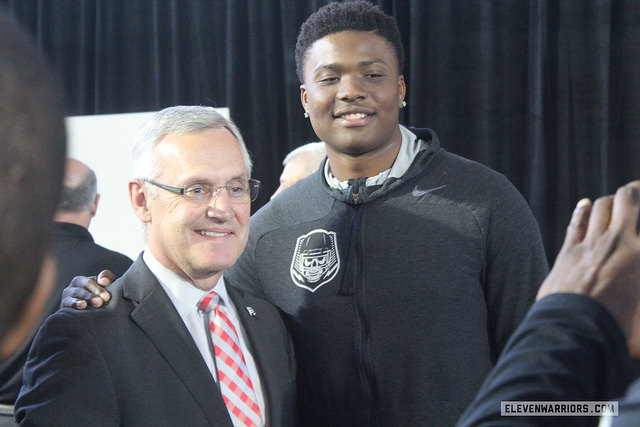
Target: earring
x,y
306,114
404,104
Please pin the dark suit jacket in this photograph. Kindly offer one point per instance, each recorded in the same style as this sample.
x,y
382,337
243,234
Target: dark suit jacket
x,y
135,363
77,255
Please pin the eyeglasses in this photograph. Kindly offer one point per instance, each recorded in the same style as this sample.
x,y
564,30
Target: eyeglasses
x,y
238,191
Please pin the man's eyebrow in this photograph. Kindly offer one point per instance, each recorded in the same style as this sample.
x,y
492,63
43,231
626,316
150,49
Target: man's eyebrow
x,y
198,180
370,62
334,66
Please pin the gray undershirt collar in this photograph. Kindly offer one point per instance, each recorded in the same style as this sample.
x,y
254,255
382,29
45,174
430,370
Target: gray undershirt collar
x,y
408,150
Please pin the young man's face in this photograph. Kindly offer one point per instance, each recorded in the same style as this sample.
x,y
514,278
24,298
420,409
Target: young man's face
x,y
353,92
198,240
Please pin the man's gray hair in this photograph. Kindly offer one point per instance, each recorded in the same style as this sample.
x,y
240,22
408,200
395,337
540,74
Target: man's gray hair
x,y
80,197
178,120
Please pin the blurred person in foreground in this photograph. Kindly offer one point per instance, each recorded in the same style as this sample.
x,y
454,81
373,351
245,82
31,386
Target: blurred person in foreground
x,y
32,154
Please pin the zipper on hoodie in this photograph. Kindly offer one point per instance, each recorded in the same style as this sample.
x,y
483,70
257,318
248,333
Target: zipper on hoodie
x,y
366,367
356,185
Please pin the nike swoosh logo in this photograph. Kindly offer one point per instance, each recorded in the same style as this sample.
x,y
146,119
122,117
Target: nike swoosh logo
x,y
417,192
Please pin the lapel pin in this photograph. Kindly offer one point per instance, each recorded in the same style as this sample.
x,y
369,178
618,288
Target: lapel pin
x,y
251,311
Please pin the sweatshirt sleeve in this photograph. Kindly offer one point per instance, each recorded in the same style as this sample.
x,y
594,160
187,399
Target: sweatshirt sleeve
x,y
515,263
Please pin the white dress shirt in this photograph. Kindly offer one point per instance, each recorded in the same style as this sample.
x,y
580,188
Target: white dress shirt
x,y
185,297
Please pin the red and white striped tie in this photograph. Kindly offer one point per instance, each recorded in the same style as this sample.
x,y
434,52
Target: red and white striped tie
x,y
233,379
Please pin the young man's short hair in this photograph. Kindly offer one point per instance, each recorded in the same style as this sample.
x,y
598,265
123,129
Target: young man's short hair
x,y
347,16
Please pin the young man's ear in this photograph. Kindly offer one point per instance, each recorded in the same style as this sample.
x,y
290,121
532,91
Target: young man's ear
x,y
303,99
402,88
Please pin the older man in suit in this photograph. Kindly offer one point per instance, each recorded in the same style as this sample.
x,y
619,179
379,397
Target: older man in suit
x,y
176,346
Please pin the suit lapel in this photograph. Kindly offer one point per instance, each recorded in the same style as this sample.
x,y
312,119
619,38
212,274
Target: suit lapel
x,y
157,317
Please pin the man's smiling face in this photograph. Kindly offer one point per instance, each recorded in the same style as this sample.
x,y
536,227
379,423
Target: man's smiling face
x,y
353,91
195,240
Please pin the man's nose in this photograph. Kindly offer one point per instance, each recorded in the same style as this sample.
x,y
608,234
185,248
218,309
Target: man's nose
x,y
351,89
220,205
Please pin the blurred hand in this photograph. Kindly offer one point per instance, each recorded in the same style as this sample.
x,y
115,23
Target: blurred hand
x,y
600,258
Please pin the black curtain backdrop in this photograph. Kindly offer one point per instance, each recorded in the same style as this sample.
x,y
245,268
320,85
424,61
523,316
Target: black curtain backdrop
x,y
545,92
